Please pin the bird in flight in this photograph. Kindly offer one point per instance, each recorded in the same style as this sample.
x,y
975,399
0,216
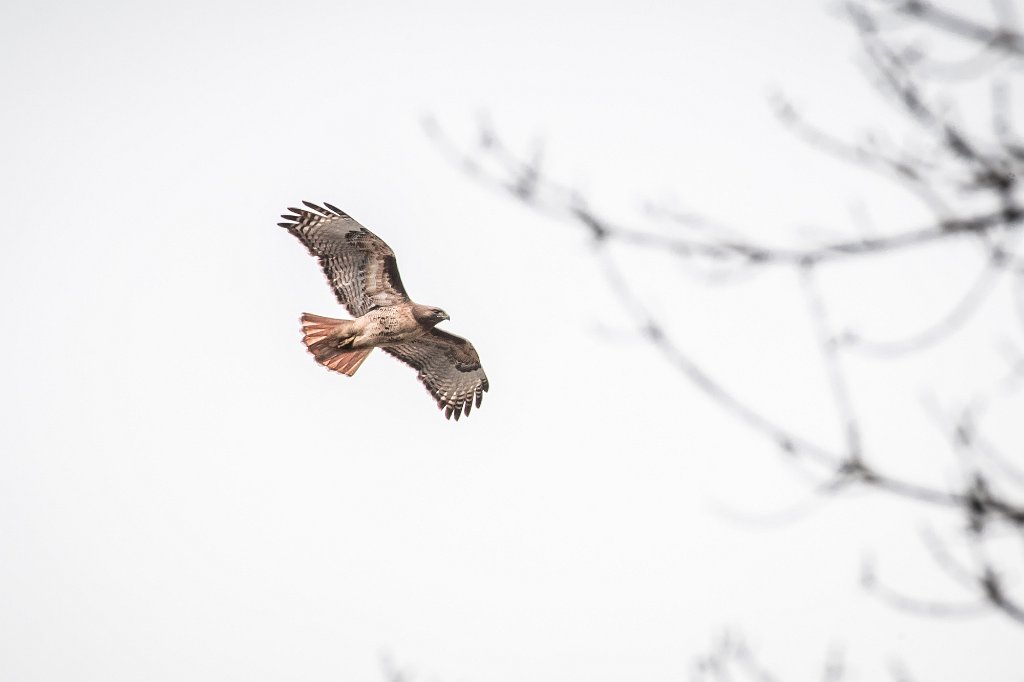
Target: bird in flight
x,y
363,272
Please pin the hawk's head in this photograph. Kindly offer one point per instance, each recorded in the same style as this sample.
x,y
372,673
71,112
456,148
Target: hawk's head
x,y
430,316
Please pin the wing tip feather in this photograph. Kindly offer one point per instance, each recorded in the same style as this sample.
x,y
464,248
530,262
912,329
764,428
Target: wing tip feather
x,y
319,209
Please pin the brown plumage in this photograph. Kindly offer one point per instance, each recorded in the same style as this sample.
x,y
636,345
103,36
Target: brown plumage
x,y
363,272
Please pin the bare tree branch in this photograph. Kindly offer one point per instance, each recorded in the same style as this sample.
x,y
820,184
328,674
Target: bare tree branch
x,y
968,179
997,38
955,318
916,605
829,345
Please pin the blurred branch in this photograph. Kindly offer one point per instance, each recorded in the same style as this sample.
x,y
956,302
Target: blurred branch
x,y
999,37
658,336
958,315
915,605
843,468
550,198
967,178
909,170
730,660
561,201
829,345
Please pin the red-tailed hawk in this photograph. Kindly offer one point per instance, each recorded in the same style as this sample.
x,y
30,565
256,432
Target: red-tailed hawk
x,y
363,272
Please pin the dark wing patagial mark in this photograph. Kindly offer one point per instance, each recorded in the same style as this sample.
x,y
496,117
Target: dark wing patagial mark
x,y
359,266
449,367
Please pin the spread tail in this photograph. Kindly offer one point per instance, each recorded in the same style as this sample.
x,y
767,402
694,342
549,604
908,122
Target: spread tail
x,y
329,340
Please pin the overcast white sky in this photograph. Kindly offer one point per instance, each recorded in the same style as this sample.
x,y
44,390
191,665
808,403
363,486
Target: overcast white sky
x,y
186,495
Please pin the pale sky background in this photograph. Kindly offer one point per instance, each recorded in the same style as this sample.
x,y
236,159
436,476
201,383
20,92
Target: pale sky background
x,y
186,495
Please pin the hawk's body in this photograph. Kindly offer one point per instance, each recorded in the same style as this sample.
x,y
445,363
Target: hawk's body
x,y
385,327
363,272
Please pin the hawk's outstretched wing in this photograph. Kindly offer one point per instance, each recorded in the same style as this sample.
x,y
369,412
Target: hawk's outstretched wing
x,y
359,265
449,367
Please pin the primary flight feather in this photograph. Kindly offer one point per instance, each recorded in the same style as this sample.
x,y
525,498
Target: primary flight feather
x,y
363,272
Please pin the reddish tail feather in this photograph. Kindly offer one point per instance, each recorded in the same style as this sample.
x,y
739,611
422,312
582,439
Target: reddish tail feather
x,y
328,340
